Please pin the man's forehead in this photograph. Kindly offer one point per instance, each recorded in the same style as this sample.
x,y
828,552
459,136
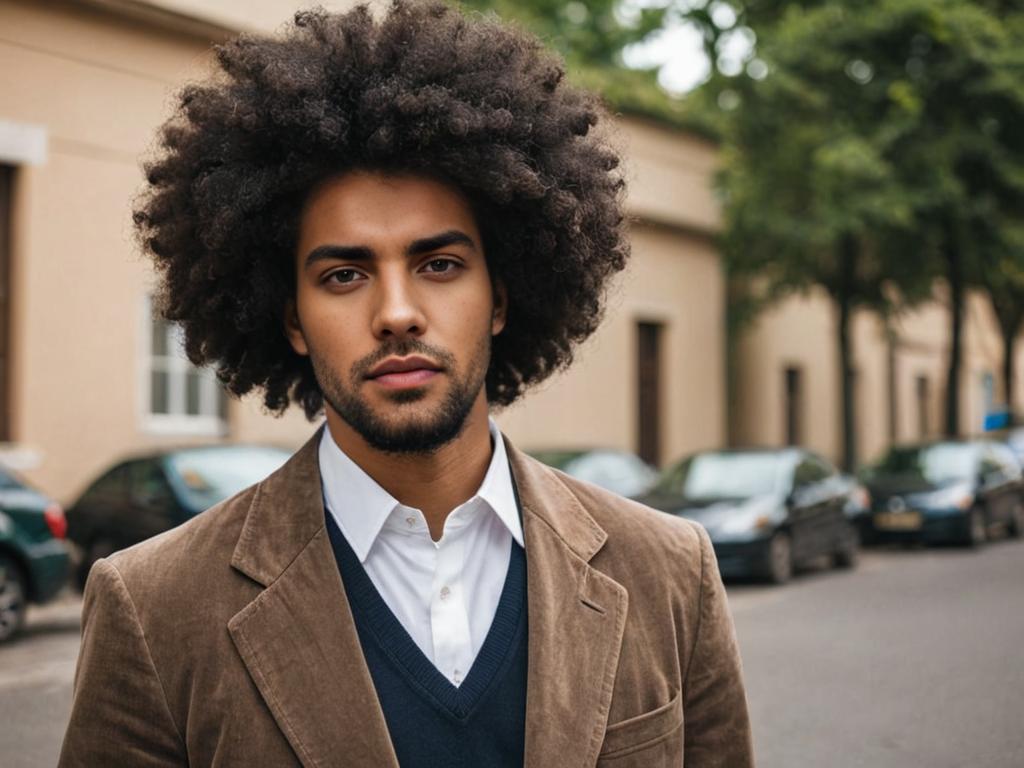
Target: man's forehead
x,y
365,206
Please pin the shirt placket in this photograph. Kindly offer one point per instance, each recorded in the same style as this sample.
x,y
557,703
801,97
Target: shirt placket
x,y
449,621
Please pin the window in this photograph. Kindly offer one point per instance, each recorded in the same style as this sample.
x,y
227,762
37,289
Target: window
x,y
6,184
178,396
793,405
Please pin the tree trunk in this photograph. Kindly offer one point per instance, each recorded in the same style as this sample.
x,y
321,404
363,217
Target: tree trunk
x,y
1009,337
955,278
848,249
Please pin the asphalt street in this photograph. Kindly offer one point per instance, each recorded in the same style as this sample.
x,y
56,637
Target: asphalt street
x,y
914,659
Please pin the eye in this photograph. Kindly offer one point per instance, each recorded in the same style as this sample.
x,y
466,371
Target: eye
x,y
440,266
343,277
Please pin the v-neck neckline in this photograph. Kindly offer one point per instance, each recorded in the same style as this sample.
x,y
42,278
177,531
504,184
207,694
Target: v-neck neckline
x,y
382,627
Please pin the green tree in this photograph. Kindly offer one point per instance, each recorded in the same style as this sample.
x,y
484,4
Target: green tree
x,y
591,38
869,152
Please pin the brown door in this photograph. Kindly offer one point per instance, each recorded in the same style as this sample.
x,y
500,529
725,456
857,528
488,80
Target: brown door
x,y
6,182
793,406
649,392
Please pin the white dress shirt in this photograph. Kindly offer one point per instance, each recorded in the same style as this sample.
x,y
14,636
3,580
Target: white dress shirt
x,y
444,593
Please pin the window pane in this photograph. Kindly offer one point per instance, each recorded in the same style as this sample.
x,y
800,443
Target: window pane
x,y
158,392
192,379
159,340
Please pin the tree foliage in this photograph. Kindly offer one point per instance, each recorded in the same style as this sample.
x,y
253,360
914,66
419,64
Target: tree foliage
x,y
591,37
870,147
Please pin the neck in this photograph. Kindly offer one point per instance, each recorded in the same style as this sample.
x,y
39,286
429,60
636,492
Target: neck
x,y
436,482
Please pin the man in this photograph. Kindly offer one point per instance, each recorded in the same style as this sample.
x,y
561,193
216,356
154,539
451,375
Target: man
x,y
402,222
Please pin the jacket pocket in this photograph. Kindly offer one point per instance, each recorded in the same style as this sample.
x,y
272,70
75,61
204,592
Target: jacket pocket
x,y
654,738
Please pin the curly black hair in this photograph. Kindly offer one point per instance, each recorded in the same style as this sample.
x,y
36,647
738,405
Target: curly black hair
x,y
422,90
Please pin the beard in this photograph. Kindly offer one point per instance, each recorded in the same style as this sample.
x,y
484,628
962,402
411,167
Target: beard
x,y
394,431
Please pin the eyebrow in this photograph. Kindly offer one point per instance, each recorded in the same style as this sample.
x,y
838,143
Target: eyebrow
x,y
415,248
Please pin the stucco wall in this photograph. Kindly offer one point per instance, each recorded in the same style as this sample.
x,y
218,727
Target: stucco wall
x,y
99,84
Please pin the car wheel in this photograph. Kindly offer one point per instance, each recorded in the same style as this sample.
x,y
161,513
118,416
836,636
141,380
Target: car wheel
x,y
99,549
13,600
848,550
780,559
977,530
1017,521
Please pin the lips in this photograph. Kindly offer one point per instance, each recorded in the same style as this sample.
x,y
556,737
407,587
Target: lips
x,y
401,372
402,365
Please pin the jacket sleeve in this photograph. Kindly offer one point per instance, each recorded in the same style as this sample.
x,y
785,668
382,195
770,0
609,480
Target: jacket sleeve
x,y
119,715
717,726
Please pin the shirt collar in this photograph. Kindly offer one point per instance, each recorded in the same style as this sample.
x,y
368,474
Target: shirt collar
x,y
361,507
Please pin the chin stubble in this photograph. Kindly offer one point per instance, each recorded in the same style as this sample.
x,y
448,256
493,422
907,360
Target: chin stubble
x,y
415,436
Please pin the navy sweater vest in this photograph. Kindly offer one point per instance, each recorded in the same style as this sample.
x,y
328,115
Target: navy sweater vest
x,y
432,723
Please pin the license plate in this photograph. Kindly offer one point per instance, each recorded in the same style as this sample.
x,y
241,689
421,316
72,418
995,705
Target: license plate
x,y
898,521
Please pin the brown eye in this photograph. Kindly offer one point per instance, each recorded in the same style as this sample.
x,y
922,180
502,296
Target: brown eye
x,y
439,266
343,276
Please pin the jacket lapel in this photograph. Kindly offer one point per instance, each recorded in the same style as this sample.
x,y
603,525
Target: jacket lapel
x,y
576,616
297,638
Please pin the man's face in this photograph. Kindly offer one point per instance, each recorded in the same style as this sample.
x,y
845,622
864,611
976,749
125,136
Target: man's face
x,y
395,307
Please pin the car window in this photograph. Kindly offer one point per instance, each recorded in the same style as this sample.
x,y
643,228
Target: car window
x,y
205,476
113,483
1006,457
990,465
737,475
148,483
620,473
810,470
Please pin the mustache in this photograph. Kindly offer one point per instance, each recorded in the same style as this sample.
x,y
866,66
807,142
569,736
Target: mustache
x,y
402,348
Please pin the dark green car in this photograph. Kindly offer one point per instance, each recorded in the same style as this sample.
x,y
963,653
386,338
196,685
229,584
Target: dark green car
x,y
33,556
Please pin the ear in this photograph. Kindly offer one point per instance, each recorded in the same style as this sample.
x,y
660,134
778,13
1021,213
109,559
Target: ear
x,y
500,314
293,329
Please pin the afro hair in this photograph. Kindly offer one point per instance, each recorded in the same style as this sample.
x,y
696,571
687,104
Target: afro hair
x,y
421,90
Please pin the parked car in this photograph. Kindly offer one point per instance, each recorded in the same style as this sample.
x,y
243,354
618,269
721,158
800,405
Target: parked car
x,y
1014,438
620,472
33,556
767,511
858,500
956,491
146,495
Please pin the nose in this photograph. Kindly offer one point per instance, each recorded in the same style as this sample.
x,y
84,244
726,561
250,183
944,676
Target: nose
x,y
397,313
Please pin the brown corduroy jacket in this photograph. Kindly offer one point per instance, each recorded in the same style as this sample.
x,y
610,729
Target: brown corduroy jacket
x,y
228,641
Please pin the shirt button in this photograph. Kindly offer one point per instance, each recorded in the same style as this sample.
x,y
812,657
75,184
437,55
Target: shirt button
x,y
410,521
457,676
444,595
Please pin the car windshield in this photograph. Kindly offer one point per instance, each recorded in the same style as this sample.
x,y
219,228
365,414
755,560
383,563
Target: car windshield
x,y
8,481
938,464
727,475
206,476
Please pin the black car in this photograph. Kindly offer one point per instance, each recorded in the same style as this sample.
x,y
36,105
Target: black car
x,y
146,495
955,491
767,511
617,471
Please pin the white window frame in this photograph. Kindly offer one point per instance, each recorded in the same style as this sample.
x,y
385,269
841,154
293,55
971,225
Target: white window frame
x,y
208,422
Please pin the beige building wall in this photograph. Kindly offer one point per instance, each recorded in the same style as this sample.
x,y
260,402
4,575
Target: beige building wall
x,y
801,332
83,87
